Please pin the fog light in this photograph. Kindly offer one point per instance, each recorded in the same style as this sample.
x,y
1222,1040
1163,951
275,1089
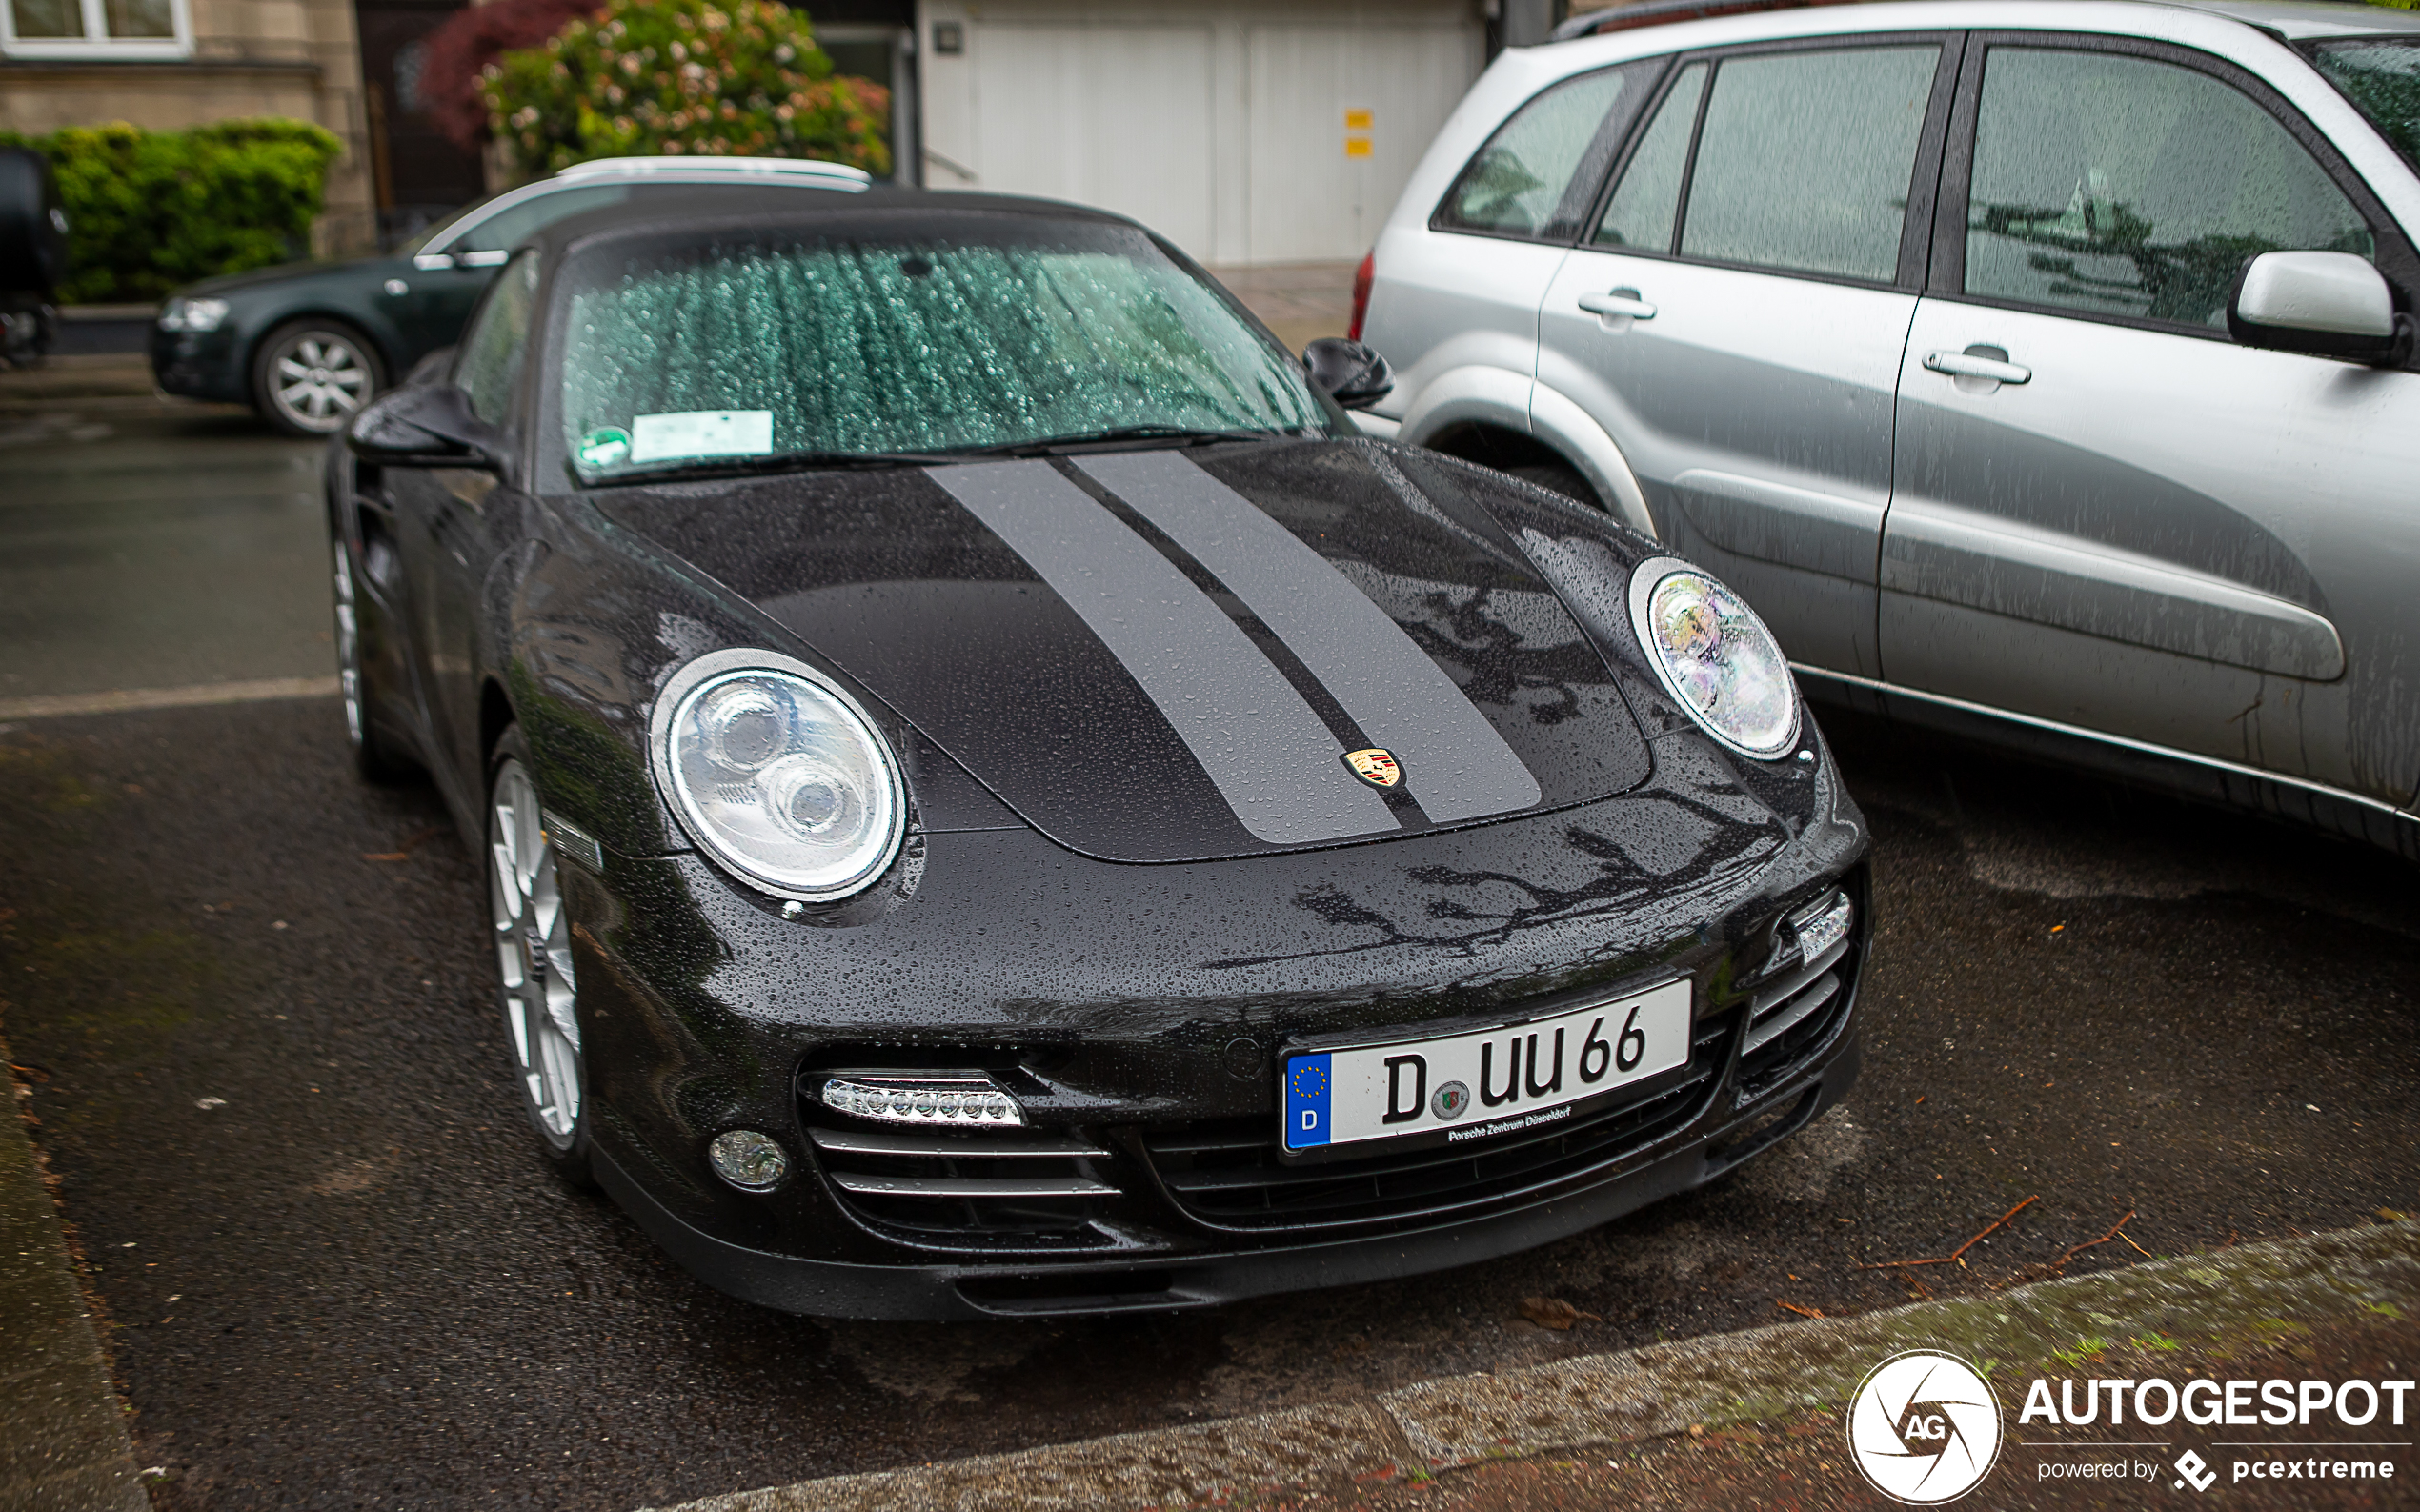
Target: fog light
x,y
944,1101
748,1160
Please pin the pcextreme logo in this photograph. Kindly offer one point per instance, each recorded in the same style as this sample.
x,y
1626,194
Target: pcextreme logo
x,y
1925,1427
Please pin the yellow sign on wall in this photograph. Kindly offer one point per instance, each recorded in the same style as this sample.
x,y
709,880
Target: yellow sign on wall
x,y
1356,147
1357,120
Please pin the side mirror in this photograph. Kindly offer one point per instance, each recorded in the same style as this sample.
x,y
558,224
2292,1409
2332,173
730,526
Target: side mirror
x,y
426,425
1354,376
2323,303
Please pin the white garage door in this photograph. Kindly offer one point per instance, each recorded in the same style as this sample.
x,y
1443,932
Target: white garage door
x,y
1111,114
1340,116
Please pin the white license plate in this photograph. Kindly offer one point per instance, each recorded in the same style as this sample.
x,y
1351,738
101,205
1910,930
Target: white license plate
x,y
1475,1085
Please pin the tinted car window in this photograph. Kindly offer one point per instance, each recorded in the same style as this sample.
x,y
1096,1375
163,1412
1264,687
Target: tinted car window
x,y
1648,201
1804,160
2128,187
904,341
1538,172
492,348
2383,81
506,229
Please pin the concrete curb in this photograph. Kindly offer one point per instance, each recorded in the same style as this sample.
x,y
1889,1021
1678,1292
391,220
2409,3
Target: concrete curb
x,y
63,1440
2220,1300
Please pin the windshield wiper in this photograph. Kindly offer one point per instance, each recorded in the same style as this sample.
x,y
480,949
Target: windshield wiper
x,y
769,466
1179,435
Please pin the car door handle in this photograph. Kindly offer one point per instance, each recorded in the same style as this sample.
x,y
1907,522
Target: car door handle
x,y
1618,302
1977,363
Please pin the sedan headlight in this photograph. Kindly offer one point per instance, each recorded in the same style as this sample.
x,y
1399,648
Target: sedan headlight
x,y
1715,656
192,315
779,775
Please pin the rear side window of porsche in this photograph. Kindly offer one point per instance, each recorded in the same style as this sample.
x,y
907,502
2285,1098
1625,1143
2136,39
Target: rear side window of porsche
x,y
1536,175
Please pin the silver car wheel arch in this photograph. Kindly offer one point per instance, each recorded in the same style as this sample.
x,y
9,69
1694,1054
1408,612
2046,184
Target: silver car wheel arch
x,y
1561,424
1496,396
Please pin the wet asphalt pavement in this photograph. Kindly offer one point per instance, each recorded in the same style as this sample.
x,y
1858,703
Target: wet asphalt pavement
x,y
144,547
247,998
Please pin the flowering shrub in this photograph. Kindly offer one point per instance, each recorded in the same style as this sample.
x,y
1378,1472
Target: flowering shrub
x,y
452,83
740,77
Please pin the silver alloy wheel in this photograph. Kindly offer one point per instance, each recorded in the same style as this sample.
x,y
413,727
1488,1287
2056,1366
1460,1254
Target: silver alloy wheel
x,y
318,379
347,645
533,958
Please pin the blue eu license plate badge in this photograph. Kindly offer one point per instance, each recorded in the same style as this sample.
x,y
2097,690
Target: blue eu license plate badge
x,y
1306,1101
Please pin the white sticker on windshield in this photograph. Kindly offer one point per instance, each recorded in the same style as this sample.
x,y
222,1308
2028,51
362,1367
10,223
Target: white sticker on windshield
x,y
701,432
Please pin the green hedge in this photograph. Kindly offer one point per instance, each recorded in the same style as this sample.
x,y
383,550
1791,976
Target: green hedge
x,y
151,211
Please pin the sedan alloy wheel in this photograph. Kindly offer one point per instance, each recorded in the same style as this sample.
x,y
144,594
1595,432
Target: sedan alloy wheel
x,y
313,377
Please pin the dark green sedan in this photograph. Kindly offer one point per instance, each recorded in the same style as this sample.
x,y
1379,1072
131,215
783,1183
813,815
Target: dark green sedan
x,y
308,344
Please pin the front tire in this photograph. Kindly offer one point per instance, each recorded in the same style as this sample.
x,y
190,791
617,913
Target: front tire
x,y
536,989
311,377
1557,478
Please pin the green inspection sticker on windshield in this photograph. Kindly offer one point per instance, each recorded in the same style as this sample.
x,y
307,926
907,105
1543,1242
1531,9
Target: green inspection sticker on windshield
x,y
701,432
607,446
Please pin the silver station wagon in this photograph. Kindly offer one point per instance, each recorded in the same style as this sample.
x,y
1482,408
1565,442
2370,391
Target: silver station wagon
x,y
2040,370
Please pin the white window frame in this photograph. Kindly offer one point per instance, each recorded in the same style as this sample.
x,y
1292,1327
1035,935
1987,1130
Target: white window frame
x,y
97,45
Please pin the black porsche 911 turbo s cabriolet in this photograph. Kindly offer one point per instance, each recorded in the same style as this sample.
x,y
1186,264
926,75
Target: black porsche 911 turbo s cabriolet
x,y
1000,802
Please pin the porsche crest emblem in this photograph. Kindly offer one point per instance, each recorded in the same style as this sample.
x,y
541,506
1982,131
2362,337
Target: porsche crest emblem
x,y
1376,766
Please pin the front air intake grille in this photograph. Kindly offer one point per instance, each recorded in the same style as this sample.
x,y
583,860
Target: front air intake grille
x,y
1226,1175
1793,1017
1004,1189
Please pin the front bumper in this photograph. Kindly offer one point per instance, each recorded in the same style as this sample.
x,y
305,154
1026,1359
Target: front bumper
x,y
200,364
1175,1282
1140,1013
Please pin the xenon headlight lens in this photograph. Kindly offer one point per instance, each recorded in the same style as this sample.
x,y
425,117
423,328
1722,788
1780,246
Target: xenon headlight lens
x,y
781,777
1716,657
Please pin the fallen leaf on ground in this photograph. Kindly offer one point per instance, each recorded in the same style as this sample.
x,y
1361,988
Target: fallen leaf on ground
x,y
1553,1312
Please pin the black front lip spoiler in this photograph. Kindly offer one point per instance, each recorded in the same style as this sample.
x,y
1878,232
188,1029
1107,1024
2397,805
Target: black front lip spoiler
x,y
966,1293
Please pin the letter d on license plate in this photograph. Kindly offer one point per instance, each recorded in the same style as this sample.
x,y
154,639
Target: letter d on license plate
x,y
1475,1085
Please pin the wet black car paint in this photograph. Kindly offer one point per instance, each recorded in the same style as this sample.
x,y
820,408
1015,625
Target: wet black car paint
x,y
1117,997
947,625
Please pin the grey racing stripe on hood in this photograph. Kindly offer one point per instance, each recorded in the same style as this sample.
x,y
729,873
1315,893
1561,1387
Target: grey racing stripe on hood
x,y
1453,761
1268,753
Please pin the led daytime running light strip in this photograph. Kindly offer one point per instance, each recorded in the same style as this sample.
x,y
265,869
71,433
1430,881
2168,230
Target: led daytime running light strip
x,y
944,1101
1821,927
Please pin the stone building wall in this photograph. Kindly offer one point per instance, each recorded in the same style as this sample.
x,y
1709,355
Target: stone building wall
x,y
296,58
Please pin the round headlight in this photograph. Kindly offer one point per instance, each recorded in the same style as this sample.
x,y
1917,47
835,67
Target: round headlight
x,y
1715,656
779,775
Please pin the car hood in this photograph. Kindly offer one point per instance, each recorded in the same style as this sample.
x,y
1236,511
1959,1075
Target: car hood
x,y
1181,655
350,269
